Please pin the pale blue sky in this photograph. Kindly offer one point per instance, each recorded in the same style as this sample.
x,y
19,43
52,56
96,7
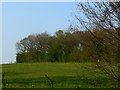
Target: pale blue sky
x,y
24,18
0,31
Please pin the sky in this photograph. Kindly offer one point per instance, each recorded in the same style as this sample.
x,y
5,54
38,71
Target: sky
x,y
20,19
0,31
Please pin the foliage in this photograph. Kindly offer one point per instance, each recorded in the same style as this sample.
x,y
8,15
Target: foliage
x,y
79,46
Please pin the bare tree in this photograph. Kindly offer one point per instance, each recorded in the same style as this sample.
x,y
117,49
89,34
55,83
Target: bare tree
x,y
101,20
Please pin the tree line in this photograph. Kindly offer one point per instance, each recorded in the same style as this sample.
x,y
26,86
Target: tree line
x,y
64,46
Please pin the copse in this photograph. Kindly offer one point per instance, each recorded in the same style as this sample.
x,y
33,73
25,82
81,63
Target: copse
x,y
64,46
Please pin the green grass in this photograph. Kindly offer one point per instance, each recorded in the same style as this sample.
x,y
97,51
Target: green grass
x,y
63,75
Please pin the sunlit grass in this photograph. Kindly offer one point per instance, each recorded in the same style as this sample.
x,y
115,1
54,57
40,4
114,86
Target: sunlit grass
x,y
63,75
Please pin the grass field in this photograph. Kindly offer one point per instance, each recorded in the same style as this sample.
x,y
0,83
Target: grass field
x,y
63,75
